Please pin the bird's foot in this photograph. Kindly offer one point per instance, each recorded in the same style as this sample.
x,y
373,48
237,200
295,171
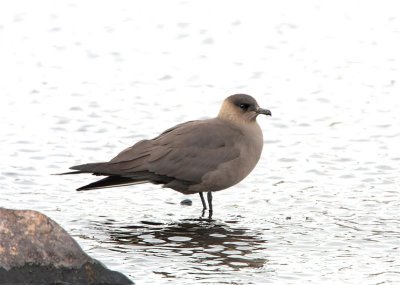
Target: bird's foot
x,y
210,213
203,214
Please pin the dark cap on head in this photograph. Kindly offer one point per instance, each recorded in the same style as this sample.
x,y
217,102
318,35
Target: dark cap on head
x,y
238,99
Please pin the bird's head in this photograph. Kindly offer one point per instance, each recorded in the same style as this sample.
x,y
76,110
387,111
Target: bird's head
x,y
241,108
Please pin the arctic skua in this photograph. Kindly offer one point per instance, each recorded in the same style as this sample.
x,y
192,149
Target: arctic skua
x,y
194,157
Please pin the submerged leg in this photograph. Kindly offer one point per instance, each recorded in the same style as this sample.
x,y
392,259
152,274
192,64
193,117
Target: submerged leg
x,y
203,201
209,198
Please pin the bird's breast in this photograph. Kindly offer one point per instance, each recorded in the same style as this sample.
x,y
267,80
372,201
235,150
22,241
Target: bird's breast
x,y
250,145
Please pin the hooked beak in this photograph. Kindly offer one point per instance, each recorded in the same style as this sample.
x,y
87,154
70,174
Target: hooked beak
x,y
263,111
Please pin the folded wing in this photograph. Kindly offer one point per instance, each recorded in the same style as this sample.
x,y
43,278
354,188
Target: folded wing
x,y
184,153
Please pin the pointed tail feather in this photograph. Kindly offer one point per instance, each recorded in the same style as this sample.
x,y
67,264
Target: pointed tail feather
x,y
83,168
88,167
71,172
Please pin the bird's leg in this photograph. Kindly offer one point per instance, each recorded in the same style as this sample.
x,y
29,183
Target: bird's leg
x,y
209,198
203,201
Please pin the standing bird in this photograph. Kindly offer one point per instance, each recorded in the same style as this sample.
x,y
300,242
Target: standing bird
x,y
193,157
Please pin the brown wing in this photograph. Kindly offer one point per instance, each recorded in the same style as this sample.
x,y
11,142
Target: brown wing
x,y
185,152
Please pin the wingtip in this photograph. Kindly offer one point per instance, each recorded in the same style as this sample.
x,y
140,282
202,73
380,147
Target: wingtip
x,y
83,188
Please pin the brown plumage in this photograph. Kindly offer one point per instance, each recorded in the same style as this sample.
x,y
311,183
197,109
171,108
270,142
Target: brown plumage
x,y
193,157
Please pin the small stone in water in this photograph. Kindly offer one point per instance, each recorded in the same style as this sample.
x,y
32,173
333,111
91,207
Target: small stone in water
x,y
186,202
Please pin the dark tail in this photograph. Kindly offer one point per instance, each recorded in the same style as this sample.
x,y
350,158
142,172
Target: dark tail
x,y
83,168
89,167
115,177
71,172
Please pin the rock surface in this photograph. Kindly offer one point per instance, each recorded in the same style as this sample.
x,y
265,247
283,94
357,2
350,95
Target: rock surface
x,y
36,250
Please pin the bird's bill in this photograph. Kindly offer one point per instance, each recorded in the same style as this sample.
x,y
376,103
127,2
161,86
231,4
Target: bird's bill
x,y
264,111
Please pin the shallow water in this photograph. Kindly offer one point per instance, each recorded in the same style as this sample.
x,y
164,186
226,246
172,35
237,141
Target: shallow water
x,y
82,81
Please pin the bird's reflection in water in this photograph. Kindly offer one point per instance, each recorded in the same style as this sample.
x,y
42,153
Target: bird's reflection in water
x,y
201,241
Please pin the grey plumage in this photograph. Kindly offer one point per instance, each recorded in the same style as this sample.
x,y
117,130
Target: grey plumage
x,y
193,157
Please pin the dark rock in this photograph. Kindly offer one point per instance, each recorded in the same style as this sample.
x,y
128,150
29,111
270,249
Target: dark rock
x,y
36,250
186,202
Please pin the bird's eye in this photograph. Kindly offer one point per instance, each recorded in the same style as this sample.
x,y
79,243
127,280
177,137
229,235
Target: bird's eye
x,y
244,106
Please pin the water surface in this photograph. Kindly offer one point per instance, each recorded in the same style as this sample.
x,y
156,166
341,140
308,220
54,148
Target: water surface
x,y
82,81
